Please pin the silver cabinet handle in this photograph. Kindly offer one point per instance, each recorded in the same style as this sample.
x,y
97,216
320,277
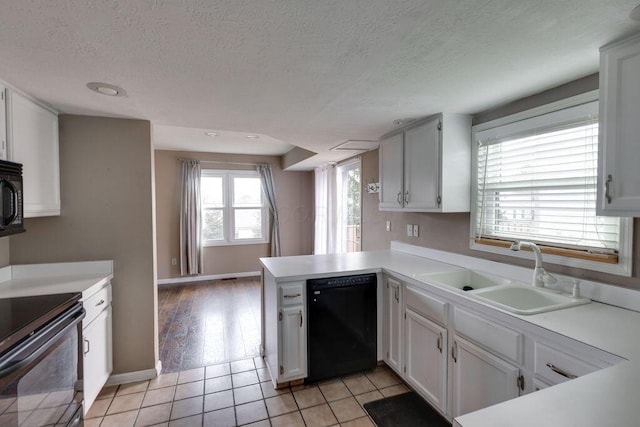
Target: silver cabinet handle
x,y
88,346
99,303
406,197
396,294
559,371
607,188
399,198
454,352
293,296
440,343
301,318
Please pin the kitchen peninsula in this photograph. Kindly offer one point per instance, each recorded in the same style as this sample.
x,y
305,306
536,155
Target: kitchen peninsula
x,y
596,339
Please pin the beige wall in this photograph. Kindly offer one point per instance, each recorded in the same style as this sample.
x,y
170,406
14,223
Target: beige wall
x,y
294,193
450,232
106,170
4,252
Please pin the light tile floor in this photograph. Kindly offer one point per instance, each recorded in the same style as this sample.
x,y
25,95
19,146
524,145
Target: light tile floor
x,y
241,393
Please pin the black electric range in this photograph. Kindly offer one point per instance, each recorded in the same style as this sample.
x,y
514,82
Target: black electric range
x,y
22,316
40,360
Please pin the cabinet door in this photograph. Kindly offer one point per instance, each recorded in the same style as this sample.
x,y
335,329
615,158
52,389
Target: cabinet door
x,y
619,155
391,159
294,345
392,326
34,143
480,379
97,360
3,123
422,166
426,358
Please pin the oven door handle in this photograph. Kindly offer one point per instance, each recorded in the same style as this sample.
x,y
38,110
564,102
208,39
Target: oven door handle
x,y
58,328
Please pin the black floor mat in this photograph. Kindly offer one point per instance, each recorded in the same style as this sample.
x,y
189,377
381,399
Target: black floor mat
x,y
404,410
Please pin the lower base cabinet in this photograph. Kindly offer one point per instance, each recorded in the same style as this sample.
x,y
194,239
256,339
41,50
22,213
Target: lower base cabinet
x,y
426,358
294,345
480,379
96,367
97,353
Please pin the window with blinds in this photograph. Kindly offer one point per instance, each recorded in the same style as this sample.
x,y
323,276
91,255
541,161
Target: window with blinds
x,y
536,181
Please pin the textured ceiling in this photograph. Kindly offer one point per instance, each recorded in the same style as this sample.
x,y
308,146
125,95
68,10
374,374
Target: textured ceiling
x,y
311,73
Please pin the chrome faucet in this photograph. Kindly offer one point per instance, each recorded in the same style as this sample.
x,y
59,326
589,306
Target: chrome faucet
x,y
540,276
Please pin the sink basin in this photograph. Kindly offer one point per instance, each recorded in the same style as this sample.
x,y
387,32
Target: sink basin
x,y
528,300
463,278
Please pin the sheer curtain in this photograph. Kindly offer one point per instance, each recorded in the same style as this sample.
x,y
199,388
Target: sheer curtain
x,y
190,219
325,240
266,177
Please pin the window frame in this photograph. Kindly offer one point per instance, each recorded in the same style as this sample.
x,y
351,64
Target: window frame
x,y
228,210
342,169
625,253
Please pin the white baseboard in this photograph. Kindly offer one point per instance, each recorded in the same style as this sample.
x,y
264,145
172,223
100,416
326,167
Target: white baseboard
x,y
131,377
200,278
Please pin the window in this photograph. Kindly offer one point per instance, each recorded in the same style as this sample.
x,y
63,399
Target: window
x,y
233,208
349,211
535,180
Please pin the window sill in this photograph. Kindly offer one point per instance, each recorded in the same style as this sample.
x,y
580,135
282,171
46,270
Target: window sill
x,y
621,268
250,242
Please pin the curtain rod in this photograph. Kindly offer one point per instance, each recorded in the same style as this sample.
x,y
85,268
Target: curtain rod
x,y
223,162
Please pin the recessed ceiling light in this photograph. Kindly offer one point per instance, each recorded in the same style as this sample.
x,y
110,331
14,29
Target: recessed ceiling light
x,y
106,89
211,134
635,13
252,137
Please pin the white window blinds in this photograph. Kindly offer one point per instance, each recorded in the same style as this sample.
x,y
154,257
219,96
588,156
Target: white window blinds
x,y
537,182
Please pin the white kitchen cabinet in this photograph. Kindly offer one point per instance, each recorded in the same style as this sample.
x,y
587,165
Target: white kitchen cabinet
x,y
97,360
391,155
480,379
557,361
3,122
392,324
294,345
33,141
619,144
426,358
97,365
426,168
285,330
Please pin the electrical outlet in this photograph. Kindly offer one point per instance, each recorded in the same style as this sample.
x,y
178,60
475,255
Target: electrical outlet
x,y
174,261
388,226
409,230
416,230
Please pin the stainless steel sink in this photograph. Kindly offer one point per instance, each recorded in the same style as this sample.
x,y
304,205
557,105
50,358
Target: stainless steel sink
x,y
527,299
461,279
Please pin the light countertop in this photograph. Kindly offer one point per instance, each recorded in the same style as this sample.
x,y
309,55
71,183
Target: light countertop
x,y
606,397
42,279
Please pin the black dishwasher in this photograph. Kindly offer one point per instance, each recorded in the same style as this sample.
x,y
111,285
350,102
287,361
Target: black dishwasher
x,y
341,327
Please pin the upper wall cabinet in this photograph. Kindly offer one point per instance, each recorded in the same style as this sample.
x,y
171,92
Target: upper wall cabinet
x,y
33,141
426,168
619,148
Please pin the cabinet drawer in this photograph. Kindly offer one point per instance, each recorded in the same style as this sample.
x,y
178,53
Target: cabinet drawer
x,y
96,303
291,294
554,366
426,305
497,338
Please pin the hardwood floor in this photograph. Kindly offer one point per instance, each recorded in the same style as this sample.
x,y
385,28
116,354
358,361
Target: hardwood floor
x,y
209,322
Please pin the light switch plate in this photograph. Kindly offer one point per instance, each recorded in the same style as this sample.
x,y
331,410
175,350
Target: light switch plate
x,y
415,230
388,226
409,230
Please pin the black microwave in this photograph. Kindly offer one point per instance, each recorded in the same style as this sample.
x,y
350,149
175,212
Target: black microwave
x,y
11,203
